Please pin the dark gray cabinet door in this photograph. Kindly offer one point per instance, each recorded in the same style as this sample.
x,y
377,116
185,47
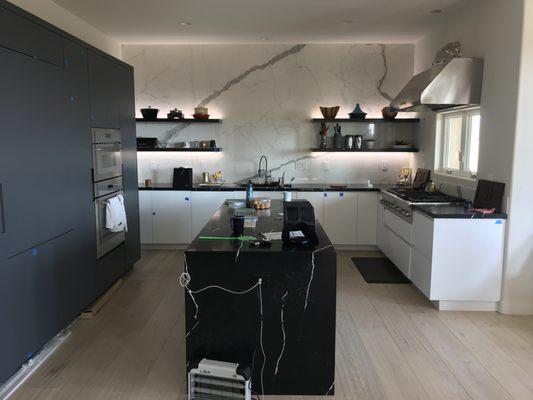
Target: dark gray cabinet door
x,y
30,300
104,92
35,139
110,268
24,36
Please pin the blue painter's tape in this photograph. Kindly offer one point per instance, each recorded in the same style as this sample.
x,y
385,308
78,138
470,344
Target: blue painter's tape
x,y
499,222
186,199
341,194
34,252
325,195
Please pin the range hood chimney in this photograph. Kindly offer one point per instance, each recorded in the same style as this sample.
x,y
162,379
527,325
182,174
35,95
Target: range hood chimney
x,y
450,84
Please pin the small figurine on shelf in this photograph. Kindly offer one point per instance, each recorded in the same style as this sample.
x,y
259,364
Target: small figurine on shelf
x,y
323,136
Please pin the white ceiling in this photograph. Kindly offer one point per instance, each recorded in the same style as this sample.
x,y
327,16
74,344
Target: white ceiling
x,y
247,21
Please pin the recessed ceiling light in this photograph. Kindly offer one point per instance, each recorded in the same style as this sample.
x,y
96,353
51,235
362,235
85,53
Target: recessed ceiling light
x,y
346,22
436,12
264,38
184,23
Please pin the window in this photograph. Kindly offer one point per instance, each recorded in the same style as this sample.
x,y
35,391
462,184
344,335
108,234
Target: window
x,y
457,150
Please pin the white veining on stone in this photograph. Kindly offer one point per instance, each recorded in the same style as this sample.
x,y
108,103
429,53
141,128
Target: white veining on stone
x,y
266,96
311,275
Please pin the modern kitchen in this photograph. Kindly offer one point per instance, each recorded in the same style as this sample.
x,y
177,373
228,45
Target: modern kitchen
x,y
266,200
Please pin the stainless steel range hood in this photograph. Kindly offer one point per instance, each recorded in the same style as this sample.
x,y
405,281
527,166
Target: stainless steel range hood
x,y
448,85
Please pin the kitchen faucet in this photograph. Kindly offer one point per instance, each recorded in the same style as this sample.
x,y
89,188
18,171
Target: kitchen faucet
x,y
260,171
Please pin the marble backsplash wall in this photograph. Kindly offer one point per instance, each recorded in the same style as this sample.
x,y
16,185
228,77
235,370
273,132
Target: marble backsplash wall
x,y
266,96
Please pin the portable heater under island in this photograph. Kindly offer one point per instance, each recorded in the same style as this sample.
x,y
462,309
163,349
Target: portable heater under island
x,y
216,380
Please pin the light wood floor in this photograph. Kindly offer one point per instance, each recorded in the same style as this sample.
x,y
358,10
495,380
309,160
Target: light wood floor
x,y
391,344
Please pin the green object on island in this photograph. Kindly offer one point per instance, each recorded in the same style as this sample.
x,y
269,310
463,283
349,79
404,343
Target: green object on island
x,y
242,238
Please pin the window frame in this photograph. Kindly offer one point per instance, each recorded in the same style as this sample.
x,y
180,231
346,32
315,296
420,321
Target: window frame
x,y
466,142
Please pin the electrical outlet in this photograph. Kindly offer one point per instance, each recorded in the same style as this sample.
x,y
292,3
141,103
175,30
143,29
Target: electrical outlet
x,y
325,165
300,165
384,166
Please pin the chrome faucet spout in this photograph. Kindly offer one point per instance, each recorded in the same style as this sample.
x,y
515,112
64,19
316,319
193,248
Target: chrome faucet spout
x,y
260,171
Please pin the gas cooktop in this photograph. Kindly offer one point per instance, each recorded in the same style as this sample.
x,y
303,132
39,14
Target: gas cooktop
x,y
421,196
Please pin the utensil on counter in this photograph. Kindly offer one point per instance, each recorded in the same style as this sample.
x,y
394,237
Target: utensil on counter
x,y
204,144
348,142
369,143
338,141
212,144
357,113
358,142
148,183
205,177
194,144
149,114
329,112
323,136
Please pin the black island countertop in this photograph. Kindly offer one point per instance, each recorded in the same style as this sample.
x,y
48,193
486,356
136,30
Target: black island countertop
x,y
282,328
453,212
297,187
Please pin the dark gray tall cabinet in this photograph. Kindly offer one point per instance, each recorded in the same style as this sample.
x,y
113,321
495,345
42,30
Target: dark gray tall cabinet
x,y
53,89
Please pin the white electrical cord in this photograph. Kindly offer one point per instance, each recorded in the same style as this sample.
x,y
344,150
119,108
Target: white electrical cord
x,y
313,272
283,332
184,281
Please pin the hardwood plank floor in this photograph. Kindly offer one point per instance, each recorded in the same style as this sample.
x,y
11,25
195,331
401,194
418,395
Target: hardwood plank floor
x,y
391,344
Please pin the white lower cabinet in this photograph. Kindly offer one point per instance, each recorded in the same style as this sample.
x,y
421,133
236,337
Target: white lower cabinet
x,y
398,251
176,217
203,206
421,272
317,201
367,216
340,215
171,216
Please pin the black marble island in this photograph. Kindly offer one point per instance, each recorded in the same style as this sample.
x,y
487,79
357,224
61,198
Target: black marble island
x,y
272,309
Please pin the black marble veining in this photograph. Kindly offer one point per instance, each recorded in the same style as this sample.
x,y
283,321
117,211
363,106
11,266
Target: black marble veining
x,y
454,211
300,187
283,329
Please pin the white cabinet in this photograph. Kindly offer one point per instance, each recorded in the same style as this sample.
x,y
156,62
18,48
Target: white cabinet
x,y
165,216
317,201
367,216
203,206
458,260
381,241
172,216
398,251
340,211
146,220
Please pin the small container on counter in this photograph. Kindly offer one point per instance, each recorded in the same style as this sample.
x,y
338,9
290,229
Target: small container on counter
x,y
148,183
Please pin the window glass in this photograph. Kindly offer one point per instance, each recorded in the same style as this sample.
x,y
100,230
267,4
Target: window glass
x,y
473,154
452,143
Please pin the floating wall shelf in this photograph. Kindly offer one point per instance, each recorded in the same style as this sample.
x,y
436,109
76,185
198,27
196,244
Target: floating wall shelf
x,y
388,150
370,120
180,121
167,149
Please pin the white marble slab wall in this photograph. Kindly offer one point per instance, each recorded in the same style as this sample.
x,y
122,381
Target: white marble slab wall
x,y
266,96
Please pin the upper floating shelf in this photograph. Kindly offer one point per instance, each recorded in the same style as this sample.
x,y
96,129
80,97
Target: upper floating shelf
x,y
180,121
195,149
387,150
371,120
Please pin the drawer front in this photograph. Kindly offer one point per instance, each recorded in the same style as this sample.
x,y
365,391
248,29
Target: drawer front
x,y
400,227
398,251
421,272
422,237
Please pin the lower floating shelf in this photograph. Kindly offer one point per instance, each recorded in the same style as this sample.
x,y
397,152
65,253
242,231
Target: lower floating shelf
x,y
387,150
197,149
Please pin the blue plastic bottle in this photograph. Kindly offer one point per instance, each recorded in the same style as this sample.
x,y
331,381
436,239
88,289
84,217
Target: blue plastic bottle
x,y
249,195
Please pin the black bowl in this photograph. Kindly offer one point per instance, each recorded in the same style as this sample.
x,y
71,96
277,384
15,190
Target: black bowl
x,y
149,114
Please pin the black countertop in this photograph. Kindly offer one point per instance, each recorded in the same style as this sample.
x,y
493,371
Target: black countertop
x,y
267,221
300,187
453,211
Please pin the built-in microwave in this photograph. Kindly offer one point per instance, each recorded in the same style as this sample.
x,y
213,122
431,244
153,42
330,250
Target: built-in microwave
x,y
107,154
